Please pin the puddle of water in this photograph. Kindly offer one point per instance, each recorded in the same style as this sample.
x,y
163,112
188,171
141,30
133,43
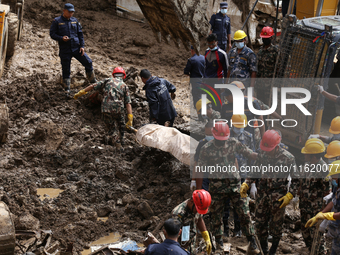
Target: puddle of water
x,y
52,193
112,238
102,219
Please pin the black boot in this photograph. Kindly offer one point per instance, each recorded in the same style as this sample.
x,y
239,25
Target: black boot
x,y
237,229
252,248
91,77
264,246
275,244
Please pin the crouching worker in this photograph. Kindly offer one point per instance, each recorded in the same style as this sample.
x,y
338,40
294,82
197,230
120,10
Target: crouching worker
x,y
116,99
189,214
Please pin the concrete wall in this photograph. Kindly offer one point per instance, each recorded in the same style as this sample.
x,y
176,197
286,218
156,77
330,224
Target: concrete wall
x,y
130,6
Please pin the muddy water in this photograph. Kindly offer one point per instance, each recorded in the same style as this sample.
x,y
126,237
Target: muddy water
x,y
112,238
52,193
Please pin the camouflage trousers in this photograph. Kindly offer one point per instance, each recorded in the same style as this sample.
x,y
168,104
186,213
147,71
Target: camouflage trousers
x,y
308,209
115,124
268,214
217,211
257,138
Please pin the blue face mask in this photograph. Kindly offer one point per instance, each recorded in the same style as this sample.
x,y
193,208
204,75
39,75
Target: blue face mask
x,y
336,137
209,138
239,45
213,49
224,11
238,130
334,183
205,117
185,233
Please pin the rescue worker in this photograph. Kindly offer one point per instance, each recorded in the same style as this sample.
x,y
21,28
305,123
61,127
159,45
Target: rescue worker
x,y
172,230
329,96
68,32
189,214
333,129
333,152
272,196
313,187
266,59
116,99
220,25
242,61
157,91
223,185
332,210
211,113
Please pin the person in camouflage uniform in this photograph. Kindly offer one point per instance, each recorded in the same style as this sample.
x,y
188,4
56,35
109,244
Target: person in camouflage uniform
x,y
272,189
242,61
266,64
188,213
225,185
313,187
116,98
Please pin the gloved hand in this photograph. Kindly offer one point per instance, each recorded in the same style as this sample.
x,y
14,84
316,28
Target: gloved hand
x,y
319,216
244,189
286,199
80,93
253,190
295,202
193,185
206,238
130,119
320,89
314,136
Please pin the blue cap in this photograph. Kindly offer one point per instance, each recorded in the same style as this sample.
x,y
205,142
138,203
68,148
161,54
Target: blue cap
x,y
224,5
192,47
69,7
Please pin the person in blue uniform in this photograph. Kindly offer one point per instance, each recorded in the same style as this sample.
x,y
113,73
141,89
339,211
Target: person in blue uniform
x,y
68,32
172,230
220,25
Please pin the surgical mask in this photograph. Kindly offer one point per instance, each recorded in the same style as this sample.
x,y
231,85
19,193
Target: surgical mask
x,y
185,233
205,117
239,45
209,137
224,11
334,183
336,137
330,160
213,49
119,75
238,130
266,41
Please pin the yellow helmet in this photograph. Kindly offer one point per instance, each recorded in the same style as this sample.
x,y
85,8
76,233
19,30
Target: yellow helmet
x,y
199,105
334,168
313,146
335,126
239,35
333,150
238,119
239,84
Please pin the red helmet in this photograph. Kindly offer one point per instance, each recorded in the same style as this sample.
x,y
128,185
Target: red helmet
x,y
270,140
267,32
202,200
119,70
221,131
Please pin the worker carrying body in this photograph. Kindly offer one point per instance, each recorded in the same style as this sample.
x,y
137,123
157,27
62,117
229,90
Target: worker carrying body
x,y
189,213
116,98
332,210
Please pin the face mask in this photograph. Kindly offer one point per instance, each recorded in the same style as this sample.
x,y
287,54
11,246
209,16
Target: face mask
x,y
238,130
224,11
239,45
266,41
205,117
118,75
213,49
334,183
209,138
336,137
185,233
331,160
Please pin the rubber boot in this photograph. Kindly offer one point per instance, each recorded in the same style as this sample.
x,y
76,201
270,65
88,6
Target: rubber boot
x,y
91,77
275,244
67,83
264,246
237,229
252,248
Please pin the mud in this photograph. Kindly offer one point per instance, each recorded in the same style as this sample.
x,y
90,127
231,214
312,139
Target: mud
x,y
58,143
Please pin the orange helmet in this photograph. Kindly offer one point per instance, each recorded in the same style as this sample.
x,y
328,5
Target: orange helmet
x,y
221,131
267,32
270,140
119,70
202,200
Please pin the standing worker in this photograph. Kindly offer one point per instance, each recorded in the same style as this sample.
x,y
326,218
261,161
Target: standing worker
x,y
68,32
266,64
220,25
157,92
116,99
242,61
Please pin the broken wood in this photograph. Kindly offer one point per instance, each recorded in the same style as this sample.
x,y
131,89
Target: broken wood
x,y
150,239
162,236
226,248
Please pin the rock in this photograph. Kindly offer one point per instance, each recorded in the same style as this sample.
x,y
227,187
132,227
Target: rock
x,y
145,225
286,248
27,222
132,50
143,43
119,201
129,199
103,210
145,209
48,133
122,175
149,196
296,236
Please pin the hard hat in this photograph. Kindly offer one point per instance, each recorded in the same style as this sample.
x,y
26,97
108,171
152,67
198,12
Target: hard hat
x,y
239,84
119,70
221,131
333,150
334,168
199,105
239,35
335,126
239,119
313,146
202,200
267,32
270,140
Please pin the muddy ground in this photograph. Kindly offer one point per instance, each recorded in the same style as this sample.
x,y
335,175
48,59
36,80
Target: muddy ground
x,y
58,143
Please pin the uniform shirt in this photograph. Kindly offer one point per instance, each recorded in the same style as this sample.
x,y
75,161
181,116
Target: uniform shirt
x,y
195,66
215,115
266,61
220,25
115,95
331,139
72,28
168,247
242,64
216,63
212,155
